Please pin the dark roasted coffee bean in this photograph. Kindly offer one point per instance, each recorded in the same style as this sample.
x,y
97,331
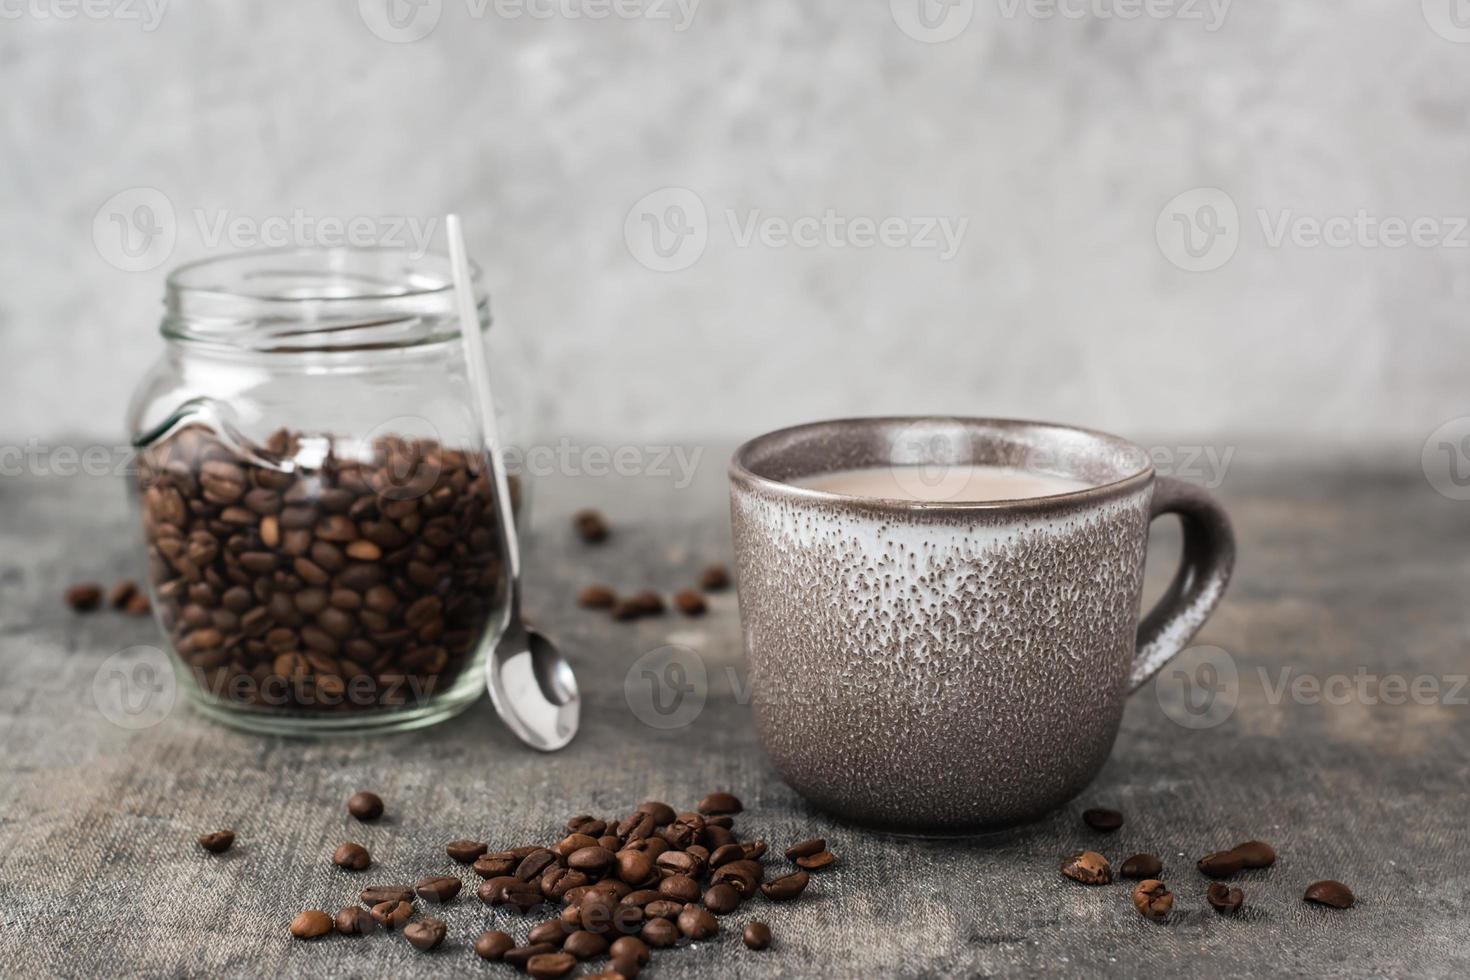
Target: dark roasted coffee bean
x,y
1220,864
572,843
496,865
630,948
534,863
426,933
521,955
754,849
218,842
1152,899
438,888
355,920
721,899
465,851
584,945
720,803
663,908
626,610
806,848
377,894
557,881
84,596
365,806
697,923
757,935
659,933
353,857
492,890
1223,898
680,888
311,924
786,887
121,593
1088,867
493,944
1102,819
1255,854
1141,866
1331,893
648,603
591,525
610,842
523,895
593,859
549,966
634,867
551,931
597,597
642,897
681,863
689,602
714,578
726,854
738,877
391,915
584,824
661,813
815,862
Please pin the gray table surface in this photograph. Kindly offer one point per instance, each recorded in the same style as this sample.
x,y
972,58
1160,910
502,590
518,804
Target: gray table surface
x,y
1346,570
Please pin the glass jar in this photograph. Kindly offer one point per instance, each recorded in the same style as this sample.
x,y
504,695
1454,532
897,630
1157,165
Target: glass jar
x,y
322,541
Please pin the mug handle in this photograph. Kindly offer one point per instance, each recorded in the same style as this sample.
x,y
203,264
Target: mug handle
x,y
1198,586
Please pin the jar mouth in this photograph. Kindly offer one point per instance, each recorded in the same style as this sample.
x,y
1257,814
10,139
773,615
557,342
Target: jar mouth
x,y
316,299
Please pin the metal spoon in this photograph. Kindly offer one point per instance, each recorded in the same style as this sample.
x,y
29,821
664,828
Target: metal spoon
x,y
530,683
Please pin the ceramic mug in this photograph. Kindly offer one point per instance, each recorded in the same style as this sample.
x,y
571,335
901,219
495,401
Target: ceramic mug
x,y
957,666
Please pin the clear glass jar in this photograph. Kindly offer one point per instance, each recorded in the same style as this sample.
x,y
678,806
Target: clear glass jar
x,y
323,552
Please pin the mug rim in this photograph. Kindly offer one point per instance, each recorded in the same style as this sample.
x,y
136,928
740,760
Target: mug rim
x,y
741,472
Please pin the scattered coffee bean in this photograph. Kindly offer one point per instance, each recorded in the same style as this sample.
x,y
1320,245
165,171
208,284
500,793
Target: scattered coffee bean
x,y
720,803
757,935
726,853
353,857
679,888
590,525
1102,819
465,851
661,813
1141,866
690,603
122,593
1331,893
597,597
497,864
218,842
549,966
438,888
1088,867
584,945
551,931
697,923
425,934
806,848
377,894
365,806
595,858
84,596
391,914
649,603
493,944
522,955
138,604
626,610
660,933
1152,899
721,899
534,863
355,920
1255,854
715,578
1220,864
311,924
786,887
815,862
1223,898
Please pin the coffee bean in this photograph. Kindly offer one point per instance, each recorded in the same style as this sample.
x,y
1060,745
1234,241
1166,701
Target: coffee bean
x,y
721,899
631,948
218,842
714,578
1255,854
663,908
1088,867
548,966
1102,819
365,806
438,888
594,859
376,894
1220,864
690,603
493,944
84,596
391,915
425,934
591,526
1331,893
681,863
725,854
311,924
660,933
661,813
534,863
626,610
757,935
720,803
120,593
1152,899
634,867
522,955
465,851
353,857
754,849
138,605
786,887
523,895
584,945
697,923
1141,866
648,603
597,597
557,881
495,865
1223,898
806,848
737,876
816,862
551,931
680,888
354,920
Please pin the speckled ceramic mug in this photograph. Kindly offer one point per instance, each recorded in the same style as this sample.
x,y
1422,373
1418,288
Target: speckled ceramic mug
x,y
953,667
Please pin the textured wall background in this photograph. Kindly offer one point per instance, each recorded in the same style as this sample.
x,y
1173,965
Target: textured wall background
x,y
1061,141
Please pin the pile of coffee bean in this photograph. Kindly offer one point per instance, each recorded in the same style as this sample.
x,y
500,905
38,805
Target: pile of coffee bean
x,y
322,583
85,597
690,602
1152,898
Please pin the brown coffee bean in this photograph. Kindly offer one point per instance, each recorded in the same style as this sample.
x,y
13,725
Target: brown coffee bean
x,y
557,881
522,955
354,920
690,603
493,944
1088,867
714,578
754,849
523,895
593,859
1223,898
634,867
663,908
591,526
1220,864
725,854
495,865
311,924
680,888
720,803
697,923
84,596
426,933
806,848
597,597
1330,893
631,948
584,824
138,605
815,862
1102,819
438,888
584,945
1141,866
648,603
786,887
626,610
1255,854
572,843
391,915
551,931
659,933
737,876
365,806
721,899
465,851
534,863
351,856
661,812
218,842
377,894
757,935
548,966
681,863
121,593
1152,898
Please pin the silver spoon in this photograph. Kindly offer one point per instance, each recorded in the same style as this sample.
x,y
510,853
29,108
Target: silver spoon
x,y
530,683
